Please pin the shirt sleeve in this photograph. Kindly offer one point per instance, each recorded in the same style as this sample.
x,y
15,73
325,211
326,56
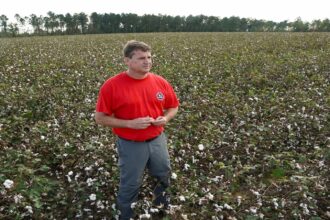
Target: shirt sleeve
x,y
104,100
171,100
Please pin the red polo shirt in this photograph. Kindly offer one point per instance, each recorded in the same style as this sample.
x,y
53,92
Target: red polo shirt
x,y
129,98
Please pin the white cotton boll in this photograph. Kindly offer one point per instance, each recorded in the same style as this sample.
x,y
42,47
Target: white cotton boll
x,y
193,159
216,179
8,184
77,176
321,163
185,217
205,190
88,168
239,200
42,137
305,208
202,201
186,166
226,206
18,198
275,203
253,210
182,198
174,208
255,193
210,196
143,216
133,205
90,181
152,210
174,176
70,173
201,147
298,166
92,197
100,205
327,214
218,208
29,209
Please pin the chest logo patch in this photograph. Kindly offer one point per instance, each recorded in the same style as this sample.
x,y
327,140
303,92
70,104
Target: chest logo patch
x,y
160,96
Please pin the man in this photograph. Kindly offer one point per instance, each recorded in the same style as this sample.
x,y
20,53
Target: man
x,y
137,104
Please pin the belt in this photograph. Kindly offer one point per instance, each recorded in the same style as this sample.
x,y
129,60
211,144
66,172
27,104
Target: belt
x,y
146,141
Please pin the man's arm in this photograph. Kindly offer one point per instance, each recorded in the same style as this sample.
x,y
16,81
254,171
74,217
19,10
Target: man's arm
x,y
168,115
111,121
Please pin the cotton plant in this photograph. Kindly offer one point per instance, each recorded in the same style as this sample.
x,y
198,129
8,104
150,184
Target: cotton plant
x,y
186,167
174,176
182,198
8,184
92,197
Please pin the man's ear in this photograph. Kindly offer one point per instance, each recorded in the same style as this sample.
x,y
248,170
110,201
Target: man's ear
x,y
126,60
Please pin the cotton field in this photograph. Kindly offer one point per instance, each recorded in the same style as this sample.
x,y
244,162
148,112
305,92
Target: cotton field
x,y
251,139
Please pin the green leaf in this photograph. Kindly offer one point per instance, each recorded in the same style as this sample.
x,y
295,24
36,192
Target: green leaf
x,y
278,173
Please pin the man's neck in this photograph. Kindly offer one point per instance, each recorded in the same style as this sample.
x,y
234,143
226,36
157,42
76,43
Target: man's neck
x,y
135,75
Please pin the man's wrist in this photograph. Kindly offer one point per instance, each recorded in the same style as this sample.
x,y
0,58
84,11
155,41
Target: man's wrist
x,y
167,118
127,123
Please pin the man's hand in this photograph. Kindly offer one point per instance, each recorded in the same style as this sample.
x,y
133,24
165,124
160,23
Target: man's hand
x,y
140,123
160,121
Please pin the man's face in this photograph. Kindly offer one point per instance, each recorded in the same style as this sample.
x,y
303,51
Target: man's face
x,y
140,62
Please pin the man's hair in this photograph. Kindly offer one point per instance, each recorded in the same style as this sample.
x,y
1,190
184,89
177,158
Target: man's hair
x,y
133,45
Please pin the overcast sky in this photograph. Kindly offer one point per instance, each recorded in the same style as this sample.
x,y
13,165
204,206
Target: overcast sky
x,y
274,10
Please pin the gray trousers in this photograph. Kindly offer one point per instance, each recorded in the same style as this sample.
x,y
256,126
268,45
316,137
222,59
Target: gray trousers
x,y
134,157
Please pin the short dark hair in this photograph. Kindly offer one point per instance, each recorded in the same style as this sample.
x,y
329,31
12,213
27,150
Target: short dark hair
x,y
132,45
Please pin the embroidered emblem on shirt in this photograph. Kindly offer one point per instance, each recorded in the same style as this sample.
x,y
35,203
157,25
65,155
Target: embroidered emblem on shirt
x,y
160,96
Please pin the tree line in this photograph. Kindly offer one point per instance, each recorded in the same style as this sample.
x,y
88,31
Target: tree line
x,y
81,23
